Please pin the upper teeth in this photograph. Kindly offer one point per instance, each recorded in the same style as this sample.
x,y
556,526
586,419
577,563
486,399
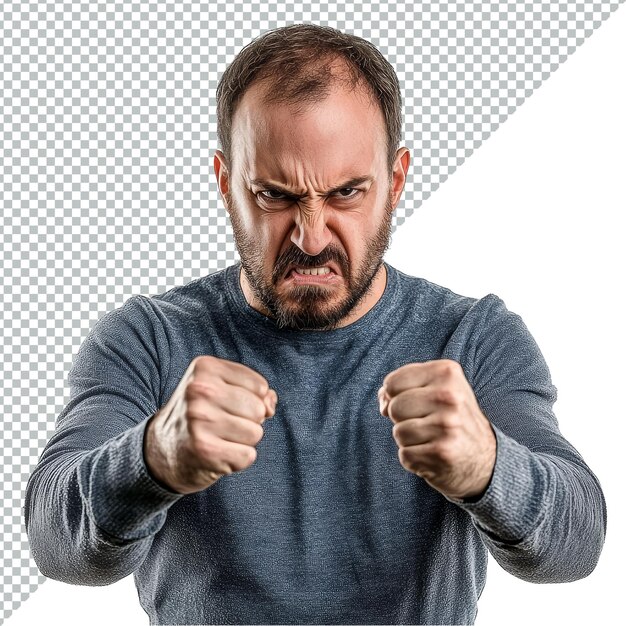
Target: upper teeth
x,y
314,270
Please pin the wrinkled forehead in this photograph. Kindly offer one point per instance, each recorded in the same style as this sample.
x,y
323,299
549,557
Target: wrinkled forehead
x,y
343,132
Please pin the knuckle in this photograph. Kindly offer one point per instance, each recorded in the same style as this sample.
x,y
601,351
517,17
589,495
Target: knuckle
x,y
205,388
197,418
403,455
408,459
193,416
243,458
451,420
398,432
203,360
448,368
214,453
250,456
259,433
211,454
263,387
447,395
253,434
443,450
200,447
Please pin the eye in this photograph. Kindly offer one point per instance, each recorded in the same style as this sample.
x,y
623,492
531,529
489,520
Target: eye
x,y
353,195
270,198
265,194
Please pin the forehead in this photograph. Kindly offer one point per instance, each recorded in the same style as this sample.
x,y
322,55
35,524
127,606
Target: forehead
x,y
341,135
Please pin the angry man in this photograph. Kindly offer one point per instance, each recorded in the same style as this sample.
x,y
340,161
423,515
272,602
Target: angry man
x,y
311,436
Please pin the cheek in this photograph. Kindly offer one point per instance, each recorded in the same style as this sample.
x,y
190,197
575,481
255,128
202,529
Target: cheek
x,y
269,236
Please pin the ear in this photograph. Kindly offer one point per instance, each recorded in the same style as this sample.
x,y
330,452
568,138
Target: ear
x,y
400,168
221,174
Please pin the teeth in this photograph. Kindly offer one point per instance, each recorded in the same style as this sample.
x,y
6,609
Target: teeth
x,y
315,271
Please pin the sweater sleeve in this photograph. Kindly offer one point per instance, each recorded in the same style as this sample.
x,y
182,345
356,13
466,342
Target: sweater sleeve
x,y
543,515
91,508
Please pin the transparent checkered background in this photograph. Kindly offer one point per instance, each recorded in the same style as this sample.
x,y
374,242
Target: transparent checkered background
x,y
107,132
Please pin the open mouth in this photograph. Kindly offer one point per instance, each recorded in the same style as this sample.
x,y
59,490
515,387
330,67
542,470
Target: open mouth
x,y
321,275
321,271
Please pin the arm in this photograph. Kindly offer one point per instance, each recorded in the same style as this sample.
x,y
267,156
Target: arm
x,y
543,515
91,507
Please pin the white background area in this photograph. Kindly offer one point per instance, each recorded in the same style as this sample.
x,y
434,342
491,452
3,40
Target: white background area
x,y
535,216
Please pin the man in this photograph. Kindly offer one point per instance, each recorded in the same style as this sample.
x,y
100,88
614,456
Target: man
x,y
310,435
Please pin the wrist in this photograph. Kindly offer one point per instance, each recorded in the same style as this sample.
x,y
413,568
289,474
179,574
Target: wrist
x,y
153,457
481,488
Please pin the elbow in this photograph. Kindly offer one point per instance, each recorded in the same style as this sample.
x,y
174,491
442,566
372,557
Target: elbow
x,y
74,570
64,540
589,555
585,545
67,566
69,550
573,551
547,571
551,572
552,564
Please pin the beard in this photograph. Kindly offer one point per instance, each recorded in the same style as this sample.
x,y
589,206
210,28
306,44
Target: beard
x,y
309,306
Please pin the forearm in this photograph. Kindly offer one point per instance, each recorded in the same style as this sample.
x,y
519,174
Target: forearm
x,y
91,515
543,517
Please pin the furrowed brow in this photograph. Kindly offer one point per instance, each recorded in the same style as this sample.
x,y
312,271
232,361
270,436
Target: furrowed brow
x,y
268,184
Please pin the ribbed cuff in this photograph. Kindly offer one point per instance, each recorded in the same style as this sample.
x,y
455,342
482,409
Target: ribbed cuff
x,y
123,499
514,503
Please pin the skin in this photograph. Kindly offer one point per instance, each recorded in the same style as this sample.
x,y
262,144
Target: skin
x,y
441,433
309,154
210,426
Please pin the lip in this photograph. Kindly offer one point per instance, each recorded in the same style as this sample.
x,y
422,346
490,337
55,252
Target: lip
x,y
303,279
331,266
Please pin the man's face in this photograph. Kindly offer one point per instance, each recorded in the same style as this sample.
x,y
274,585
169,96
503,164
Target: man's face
x,y
294,203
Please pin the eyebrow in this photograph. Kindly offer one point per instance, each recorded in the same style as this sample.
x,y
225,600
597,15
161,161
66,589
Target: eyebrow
x,y
353,182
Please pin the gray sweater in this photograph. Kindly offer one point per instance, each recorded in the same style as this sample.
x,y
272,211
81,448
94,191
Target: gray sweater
x,y
326,526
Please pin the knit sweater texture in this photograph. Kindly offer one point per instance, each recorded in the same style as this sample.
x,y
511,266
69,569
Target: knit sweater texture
x,y
326,526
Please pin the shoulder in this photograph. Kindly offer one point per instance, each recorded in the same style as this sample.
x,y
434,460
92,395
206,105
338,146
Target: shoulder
x,y
194,298
157,319
472,329
437,303
178,307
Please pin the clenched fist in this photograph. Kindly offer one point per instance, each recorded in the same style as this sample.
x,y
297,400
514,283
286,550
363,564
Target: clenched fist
x,y
210,426
442,434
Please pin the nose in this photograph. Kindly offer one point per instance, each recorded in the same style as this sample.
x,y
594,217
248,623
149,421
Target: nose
x,y
310,232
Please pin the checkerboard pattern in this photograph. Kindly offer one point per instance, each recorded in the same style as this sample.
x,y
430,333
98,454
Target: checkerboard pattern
x,y
107,131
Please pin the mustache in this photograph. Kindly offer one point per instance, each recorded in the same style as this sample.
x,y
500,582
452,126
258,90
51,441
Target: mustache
x,y
295,257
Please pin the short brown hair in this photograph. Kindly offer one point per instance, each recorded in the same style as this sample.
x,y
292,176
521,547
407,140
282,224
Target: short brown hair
x,y
290,59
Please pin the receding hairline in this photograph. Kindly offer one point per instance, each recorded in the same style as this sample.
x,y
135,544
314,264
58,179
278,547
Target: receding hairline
x,y
299,108
346,79
313,81
283,51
